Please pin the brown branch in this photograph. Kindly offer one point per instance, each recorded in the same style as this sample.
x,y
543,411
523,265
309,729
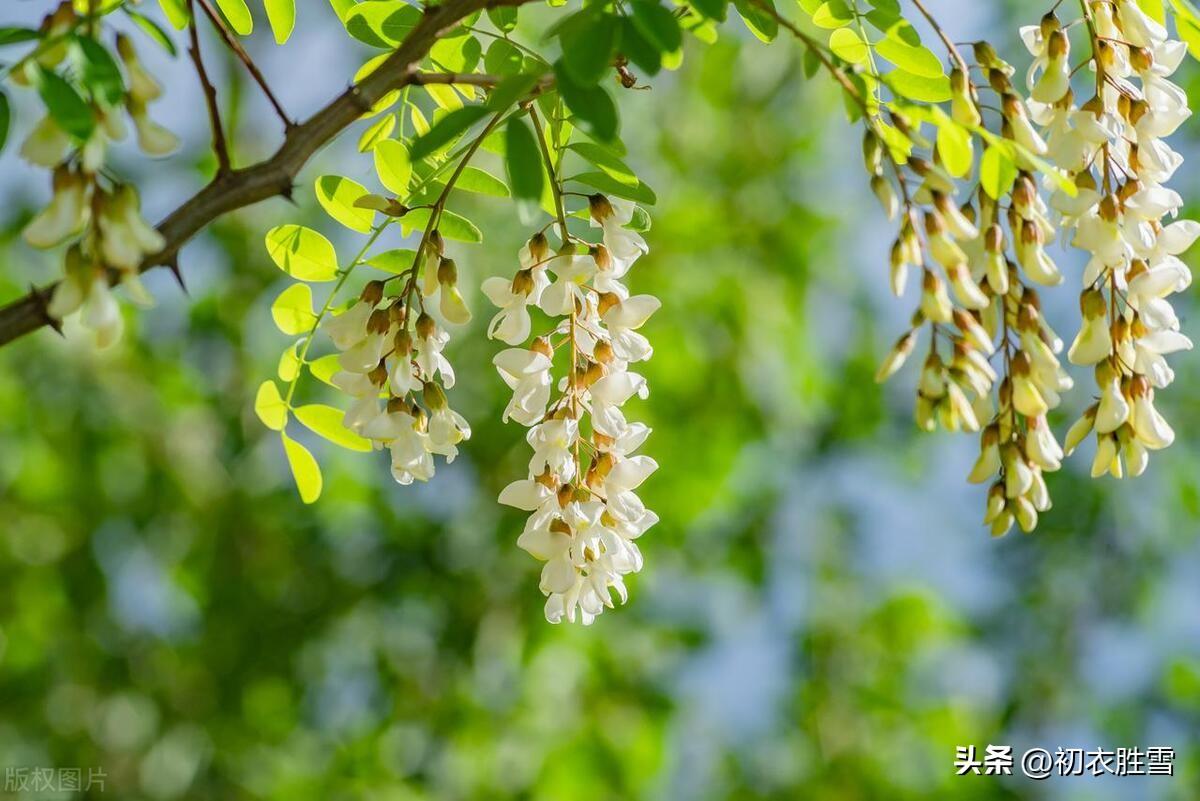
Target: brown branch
x,y
232,42
220,146
274,176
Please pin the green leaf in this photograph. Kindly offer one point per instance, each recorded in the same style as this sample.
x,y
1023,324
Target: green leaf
x,y
512,89
592,105
503,17
997,171
446,130
393,165
337,196
503,58
238,14
292,311
69,110
302,253
282,16
523,160
377,132
713,9
289,363
13,35
760,23
481,182
305,469
916,59
833,14
393,261
848,44
101,74
658,25
153,30
456,53
598,180
325,368
921,88
588,45
327,422
5,119
342,8
452,226
269,406
381,23
607,161
176,12
955,146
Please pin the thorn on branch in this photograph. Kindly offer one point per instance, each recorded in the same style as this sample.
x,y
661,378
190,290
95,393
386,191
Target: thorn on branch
x,y
42,298
173,266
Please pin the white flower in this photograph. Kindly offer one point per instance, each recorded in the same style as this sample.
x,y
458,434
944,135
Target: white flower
x,y
623,319
527,374
512,323
571,272
552,442
609,394
100,312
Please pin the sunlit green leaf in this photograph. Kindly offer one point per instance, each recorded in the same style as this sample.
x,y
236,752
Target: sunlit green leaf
x,y
289,363
269,406
337,195
921,88
393,261
238,14
305,469
282,16
327,422
302,253
997,171
848,44
393,166
452,226
176,12
324,368
292,311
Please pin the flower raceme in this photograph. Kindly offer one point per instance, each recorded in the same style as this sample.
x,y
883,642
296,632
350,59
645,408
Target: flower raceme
x,y
580,489
98,214
1105,165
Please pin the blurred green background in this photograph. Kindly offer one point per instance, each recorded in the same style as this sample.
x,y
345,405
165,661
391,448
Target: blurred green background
x,y
821,615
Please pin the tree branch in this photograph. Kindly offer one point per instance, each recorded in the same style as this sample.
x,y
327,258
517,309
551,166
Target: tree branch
x,y
220,146
274,176
232,42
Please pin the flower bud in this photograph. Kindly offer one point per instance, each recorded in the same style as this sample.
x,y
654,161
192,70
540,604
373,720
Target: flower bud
x,y
372,293
599,207
426,327
447,272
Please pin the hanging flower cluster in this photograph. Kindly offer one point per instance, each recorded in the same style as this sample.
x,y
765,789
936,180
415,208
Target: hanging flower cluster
x,y
1113,146
1105,163
103,214
392,363
585,516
